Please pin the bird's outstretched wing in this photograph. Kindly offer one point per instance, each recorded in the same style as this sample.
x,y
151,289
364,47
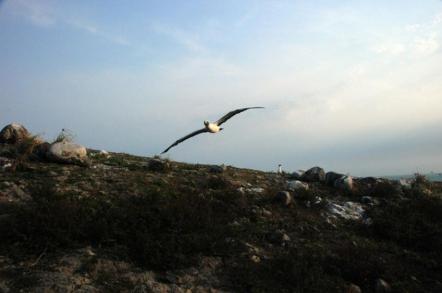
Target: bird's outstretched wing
x,y
184,138
233,113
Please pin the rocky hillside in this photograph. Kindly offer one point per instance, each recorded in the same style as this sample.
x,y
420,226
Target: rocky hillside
x,y
79,220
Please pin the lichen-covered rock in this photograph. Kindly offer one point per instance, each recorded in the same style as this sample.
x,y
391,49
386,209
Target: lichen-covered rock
x,y
67,152
13,133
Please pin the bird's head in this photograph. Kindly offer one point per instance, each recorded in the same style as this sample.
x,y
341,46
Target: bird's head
x,y
206,123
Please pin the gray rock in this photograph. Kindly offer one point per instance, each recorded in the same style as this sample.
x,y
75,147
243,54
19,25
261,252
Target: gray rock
x,y
315,174
381,286
13,133
284,198
67,152
349,210
344,183
295,175
297,185
331,177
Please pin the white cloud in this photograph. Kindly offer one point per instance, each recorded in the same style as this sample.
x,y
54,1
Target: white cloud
x,y
414,40
427,45
390,48
437,19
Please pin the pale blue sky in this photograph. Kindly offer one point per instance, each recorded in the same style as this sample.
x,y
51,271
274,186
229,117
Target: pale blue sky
x,y
353,86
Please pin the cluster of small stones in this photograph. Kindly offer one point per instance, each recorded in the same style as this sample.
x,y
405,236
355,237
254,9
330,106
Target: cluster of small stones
x,y
299,182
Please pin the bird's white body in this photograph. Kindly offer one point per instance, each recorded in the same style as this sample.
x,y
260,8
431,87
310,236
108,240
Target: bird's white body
x,y
213,128
209,126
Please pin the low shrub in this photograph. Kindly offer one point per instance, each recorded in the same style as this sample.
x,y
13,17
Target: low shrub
x,y
158,230
415,223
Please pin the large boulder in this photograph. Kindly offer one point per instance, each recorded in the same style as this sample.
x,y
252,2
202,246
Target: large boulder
x,y
13,133
331,177
315,174
344,183
67,152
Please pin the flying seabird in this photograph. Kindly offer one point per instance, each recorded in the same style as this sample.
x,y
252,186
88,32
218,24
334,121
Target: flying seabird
x,y
211,127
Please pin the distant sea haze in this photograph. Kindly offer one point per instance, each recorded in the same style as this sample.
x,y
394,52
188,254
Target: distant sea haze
x,y
433,176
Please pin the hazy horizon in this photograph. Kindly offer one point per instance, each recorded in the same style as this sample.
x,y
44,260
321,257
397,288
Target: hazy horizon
x,y
351,86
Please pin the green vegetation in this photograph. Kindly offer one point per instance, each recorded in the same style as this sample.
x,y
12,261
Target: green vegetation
x,y
170,219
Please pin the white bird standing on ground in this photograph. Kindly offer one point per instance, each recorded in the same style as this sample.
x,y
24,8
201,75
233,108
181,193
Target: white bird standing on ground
x,y
279,169
211,127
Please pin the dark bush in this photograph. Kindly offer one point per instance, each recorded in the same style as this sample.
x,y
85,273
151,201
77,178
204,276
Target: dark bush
x,y
414,223
420,180
385,189
157,230
296,270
